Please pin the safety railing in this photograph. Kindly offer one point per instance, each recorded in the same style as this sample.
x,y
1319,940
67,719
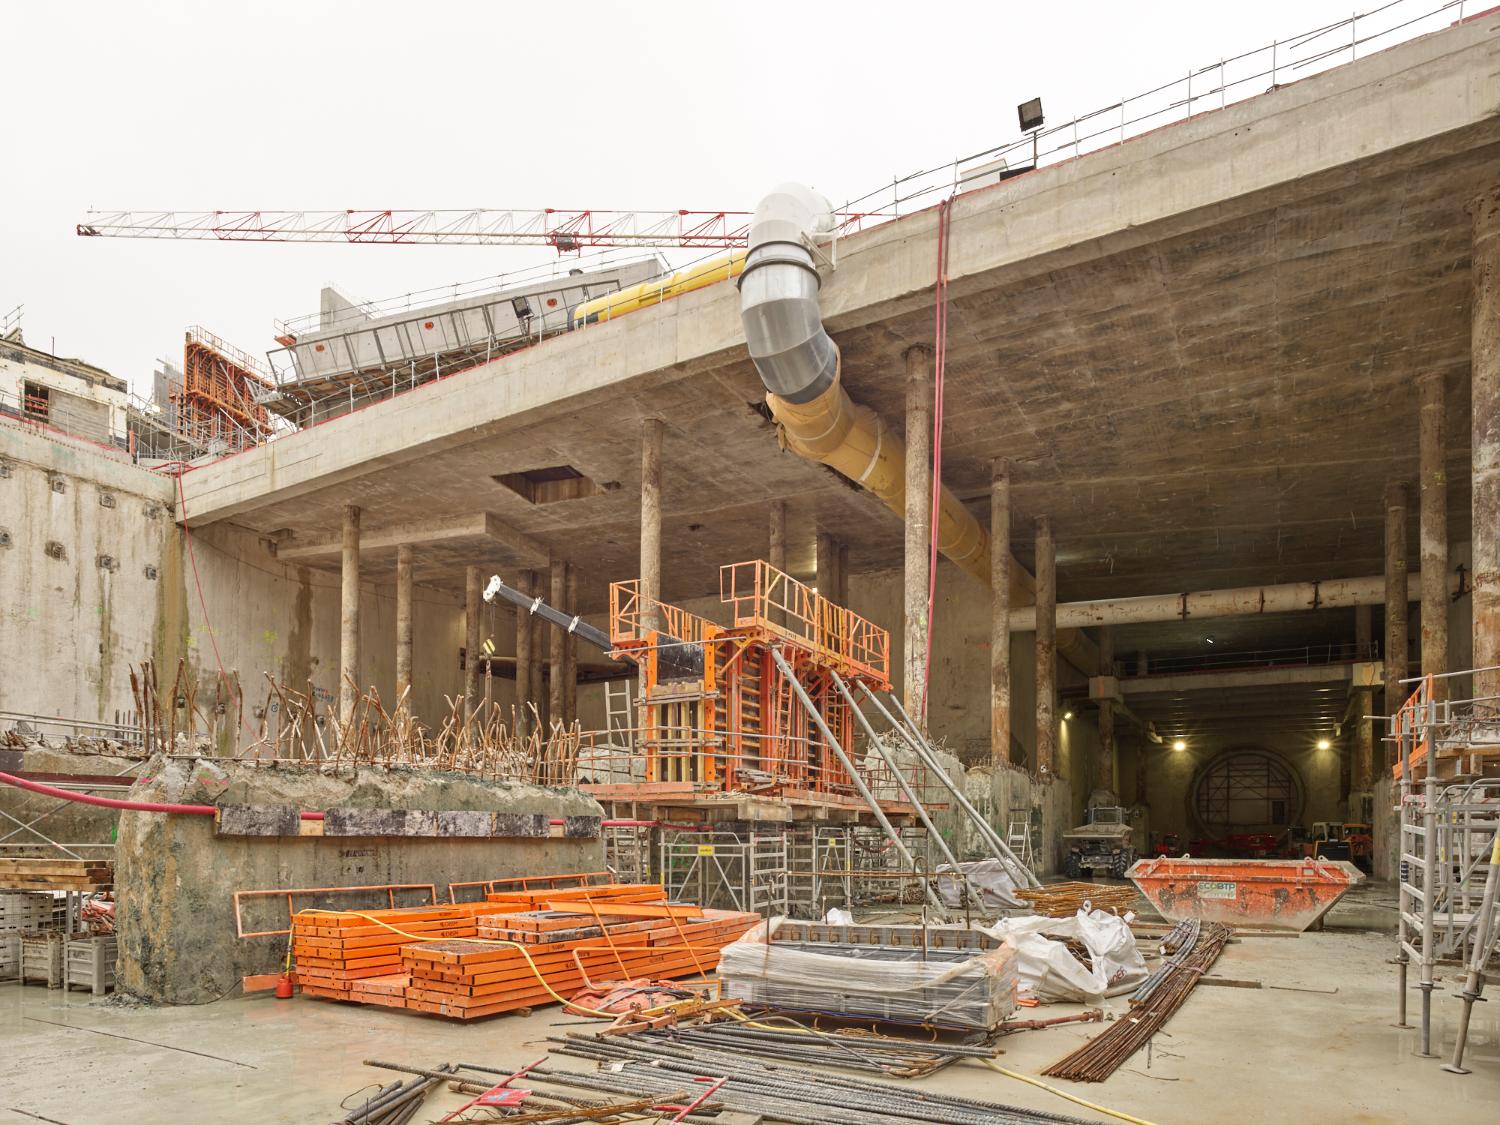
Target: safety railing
x,y
1215,85
1300,656
762,597
56,730
630,615
802,763
562,268
1430,727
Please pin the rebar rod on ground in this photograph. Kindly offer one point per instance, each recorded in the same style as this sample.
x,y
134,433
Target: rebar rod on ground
x,y
827,1099
1102,1055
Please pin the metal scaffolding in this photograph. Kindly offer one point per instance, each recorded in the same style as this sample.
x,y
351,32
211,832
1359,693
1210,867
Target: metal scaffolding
x,y
1448,770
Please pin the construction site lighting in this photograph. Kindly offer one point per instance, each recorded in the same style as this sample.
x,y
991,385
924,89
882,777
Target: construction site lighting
x,y
1067,715
1324,744
1030,114
1179,744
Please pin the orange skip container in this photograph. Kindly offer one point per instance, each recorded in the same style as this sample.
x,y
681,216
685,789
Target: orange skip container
x,y
1271,894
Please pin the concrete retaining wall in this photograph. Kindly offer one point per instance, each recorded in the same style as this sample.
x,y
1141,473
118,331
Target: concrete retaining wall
x,y
176,909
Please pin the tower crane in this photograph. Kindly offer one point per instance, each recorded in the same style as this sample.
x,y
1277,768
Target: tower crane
x,y
566,231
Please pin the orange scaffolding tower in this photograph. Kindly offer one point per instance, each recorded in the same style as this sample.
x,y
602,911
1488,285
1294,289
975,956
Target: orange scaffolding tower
x,y
217,400
731,720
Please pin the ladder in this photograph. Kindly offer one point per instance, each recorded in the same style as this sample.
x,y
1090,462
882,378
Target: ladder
x,y
617,717
1018,835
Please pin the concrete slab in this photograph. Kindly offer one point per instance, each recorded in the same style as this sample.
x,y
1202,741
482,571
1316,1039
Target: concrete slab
x,y
1198,348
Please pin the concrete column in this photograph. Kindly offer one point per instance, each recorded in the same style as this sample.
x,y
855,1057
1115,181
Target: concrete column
x,y
1046,649
570,674
1433,533
918,529
525,657
1105,776
843,575
776,547
827,579
1362,760
651,434
776,552
1000,614
403,624
539,660
1395,598
558,647
349,617
1362,763
473,639
1484,396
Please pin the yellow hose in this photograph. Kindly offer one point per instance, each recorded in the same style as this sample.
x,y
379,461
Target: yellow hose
x,y
1040,1085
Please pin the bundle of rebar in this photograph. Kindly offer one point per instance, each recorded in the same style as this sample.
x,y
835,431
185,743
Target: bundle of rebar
x,y
1175,948
485,742
880,1054
1102,1055
398,1102
777,1092
1063,900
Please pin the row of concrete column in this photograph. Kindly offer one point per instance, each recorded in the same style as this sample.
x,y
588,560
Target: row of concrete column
x,y
1433,537
832,559
557,698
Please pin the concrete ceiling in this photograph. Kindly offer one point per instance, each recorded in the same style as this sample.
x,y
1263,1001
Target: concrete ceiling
x,y
1221,408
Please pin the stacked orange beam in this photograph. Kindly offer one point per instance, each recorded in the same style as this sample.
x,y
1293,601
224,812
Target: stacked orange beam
x,y
571,936
347,955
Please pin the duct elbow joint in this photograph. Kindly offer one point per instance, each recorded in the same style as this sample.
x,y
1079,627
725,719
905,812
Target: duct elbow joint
x,y
796,359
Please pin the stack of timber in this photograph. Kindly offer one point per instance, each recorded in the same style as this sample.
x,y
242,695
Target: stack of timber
x,y
56,874
520,950
1063,900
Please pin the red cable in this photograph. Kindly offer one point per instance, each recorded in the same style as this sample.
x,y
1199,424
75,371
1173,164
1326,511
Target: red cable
x,y
207,810
939,361
113,803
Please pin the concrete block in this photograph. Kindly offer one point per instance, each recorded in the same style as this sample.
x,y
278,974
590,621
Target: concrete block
x,y
582,827
1104,687
380,822
257,820
521,824
465,823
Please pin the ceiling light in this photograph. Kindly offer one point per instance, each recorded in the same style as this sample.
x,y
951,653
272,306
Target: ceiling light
x,y
1208,640
1179,745
1324,744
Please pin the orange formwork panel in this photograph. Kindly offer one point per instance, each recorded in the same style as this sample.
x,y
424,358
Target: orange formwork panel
x,y
1271,894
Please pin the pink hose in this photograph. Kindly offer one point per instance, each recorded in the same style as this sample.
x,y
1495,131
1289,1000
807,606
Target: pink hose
x,y
204,810
113,803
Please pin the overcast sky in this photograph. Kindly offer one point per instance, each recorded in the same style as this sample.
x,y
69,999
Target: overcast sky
x,y
456,105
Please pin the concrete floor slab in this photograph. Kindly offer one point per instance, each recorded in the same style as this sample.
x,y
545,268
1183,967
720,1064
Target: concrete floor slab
x,y
1251,1056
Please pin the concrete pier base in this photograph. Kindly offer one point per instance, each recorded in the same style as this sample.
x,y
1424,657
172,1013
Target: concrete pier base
x,y
176,876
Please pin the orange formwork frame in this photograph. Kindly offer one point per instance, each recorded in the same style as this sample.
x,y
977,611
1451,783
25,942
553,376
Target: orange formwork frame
x,y
289,893
738,712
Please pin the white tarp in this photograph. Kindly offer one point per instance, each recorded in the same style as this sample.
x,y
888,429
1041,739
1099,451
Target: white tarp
x,y
1052,974
990,878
